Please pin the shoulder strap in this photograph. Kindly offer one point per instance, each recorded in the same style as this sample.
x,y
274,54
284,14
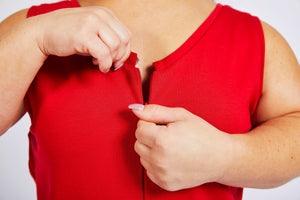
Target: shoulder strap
x,y
48,7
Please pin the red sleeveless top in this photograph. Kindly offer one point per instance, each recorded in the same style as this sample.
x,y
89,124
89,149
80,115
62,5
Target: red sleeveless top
x,y
82,133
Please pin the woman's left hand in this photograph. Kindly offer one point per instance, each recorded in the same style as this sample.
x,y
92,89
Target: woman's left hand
x,y
179,149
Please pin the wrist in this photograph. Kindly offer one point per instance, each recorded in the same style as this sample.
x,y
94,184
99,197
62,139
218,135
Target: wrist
x,y
30,33
25,40
37,27
231,154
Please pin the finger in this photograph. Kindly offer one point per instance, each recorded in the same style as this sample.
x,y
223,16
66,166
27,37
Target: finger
x,y
142,150
119,27
120,55
159,114
147,133
100,52
146,164
153,178
95,61
112,41
119,63
123,34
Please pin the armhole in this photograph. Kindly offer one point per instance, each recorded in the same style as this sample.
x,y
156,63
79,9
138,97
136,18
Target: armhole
x,y
27,105
261,37
32,11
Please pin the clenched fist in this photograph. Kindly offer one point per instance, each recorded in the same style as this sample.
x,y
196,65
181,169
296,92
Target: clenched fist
x,y
92,31
179,149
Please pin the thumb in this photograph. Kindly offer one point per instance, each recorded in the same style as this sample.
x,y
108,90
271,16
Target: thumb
x,y
158,114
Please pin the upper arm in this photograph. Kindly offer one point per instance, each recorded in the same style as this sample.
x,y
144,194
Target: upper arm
x,y
281,83
5,26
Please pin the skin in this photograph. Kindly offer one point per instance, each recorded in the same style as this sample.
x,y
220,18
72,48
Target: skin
x,y
266,157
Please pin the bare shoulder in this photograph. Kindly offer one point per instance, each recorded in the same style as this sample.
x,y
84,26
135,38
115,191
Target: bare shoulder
x,y
12,20
5,26
281,84
277,45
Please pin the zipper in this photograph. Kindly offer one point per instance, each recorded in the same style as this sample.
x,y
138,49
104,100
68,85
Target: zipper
x,y
140,94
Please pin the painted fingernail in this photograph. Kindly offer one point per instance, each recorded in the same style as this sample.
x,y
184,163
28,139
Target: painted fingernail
x,y
121,65
136,106
106,71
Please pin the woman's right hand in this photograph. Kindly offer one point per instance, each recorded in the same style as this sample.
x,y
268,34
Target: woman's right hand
x,y
90,31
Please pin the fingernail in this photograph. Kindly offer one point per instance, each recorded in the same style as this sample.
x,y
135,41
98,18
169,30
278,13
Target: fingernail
x,y
106,71
136,106
121,65
95,62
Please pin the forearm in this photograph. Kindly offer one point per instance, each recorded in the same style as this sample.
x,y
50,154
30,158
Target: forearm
x,y
20,60
267,156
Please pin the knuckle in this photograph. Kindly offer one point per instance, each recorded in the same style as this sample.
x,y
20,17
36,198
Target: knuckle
x,y
80,32
138,133
159,164
122,55
140,130
162,181
115,44
139,124
85,25
126,38
170,188
105,55
165,183
89,18
136,148
153,110
183,112
105,11
160,143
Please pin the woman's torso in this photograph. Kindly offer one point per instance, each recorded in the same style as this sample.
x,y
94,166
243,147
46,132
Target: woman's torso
x,y
82,134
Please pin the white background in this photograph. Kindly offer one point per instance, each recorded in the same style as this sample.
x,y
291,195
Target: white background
x,y
15,181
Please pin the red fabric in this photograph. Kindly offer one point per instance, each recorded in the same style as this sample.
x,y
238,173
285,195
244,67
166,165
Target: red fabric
x,y
82,133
